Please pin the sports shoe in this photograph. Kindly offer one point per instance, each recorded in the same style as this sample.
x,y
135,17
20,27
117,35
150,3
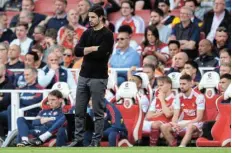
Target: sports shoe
x,y
24,143
36,142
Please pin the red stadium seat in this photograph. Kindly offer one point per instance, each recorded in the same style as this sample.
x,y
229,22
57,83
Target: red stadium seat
x,y
145,15
10,15
221,130
113,17
130,108
44,6
175,12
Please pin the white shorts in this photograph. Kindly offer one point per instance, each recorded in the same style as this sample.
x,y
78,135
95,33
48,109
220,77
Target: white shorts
x,y
198,125
147,125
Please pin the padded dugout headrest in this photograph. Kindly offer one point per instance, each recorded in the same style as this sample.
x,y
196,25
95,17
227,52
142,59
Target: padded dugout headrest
x,y
209,80
63,88
175,77
127,90
145,79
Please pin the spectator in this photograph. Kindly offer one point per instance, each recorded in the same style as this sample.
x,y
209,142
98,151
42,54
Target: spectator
x,y
39,50
191,68
60,18
187,33
14,55
225,68
125,56
225,55
5,100
168,19
58,50
174,48
47,123
28,5
221,40
178,62
149,69
142,5
156,20
203,6
22,40
75,30
160,110
53,73
188,114
193,5
224,83
216,18
135,22
109,6
6,34
206,57
153,46
68,57
83,7
12,5
39,37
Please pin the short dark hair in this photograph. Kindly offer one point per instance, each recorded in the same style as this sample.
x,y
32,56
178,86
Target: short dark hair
x,y
97,9
19,24
69,27
151,66
34,54
227,50
165,79
42,29
158,11
194,1
174,42
164,1
51,33
186,77
37,47
193,64
224,29
125,28
56,93
63,1
226,76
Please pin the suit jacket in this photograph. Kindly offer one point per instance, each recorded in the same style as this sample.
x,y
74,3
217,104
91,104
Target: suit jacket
x,y
208,20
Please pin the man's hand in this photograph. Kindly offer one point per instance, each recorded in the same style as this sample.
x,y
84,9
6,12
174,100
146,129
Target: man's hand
x,y
54,67
161,97
44,120
94,48
133,68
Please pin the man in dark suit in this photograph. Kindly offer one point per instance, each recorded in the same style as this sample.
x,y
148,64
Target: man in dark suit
x,y
219,16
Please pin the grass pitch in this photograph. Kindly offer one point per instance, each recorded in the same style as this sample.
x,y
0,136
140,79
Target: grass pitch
x,y
117,150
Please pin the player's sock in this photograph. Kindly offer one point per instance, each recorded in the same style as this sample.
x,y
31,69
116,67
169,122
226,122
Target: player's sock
x,y
45,136
154,136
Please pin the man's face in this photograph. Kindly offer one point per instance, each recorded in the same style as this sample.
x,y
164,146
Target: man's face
x,y
164,7
83,7
204,47
223,84
38,36
225,57
224,70
123,40
29,61
24,18
94,20
26,5
185,15
149,72
164,86
54,102
219,6
73,16
179,61
29,76
126,10
13,52
53,59
173,49
3,55
3,21
155,18
189,69
190,5
221,38
59,7
185,85
21,32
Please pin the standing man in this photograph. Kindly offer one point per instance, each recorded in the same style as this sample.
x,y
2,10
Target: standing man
x,y
96,45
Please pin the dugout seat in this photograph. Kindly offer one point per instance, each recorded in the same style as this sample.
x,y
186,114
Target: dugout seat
x,y
221,130
128,103
208,84
175,77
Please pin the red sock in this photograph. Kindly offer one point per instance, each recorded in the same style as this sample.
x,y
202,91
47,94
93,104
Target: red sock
x,y
154,136
174,143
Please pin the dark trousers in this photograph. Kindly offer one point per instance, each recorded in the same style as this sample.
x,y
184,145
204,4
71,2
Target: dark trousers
x,y
86,88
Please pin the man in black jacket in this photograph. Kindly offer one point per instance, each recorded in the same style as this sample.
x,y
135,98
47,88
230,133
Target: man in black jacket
x,y
96,45
5,100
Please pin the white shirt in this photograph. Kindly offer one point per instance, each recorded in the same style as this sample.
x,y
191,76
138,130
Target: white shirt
x,y
215,24
23,45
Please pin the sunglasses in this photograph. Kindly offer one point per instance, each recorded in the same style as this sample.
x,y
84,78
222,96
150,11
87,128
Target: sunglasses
x,y
121,39
67,55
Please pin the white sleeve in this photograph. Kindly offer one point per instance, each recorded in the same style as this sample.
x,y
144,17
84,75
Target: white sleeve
x,y
165,51
58,36
200,101
140,24
176,102
152,105
118,24
45,79
145,103
70,80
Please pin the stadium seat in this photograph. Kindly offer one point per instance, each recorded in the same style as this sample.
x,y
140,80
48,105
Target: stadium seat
x,y
175,12
113,17
175,77
130,108
44,6
10,15
221,130
209,82
145,15
112,87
